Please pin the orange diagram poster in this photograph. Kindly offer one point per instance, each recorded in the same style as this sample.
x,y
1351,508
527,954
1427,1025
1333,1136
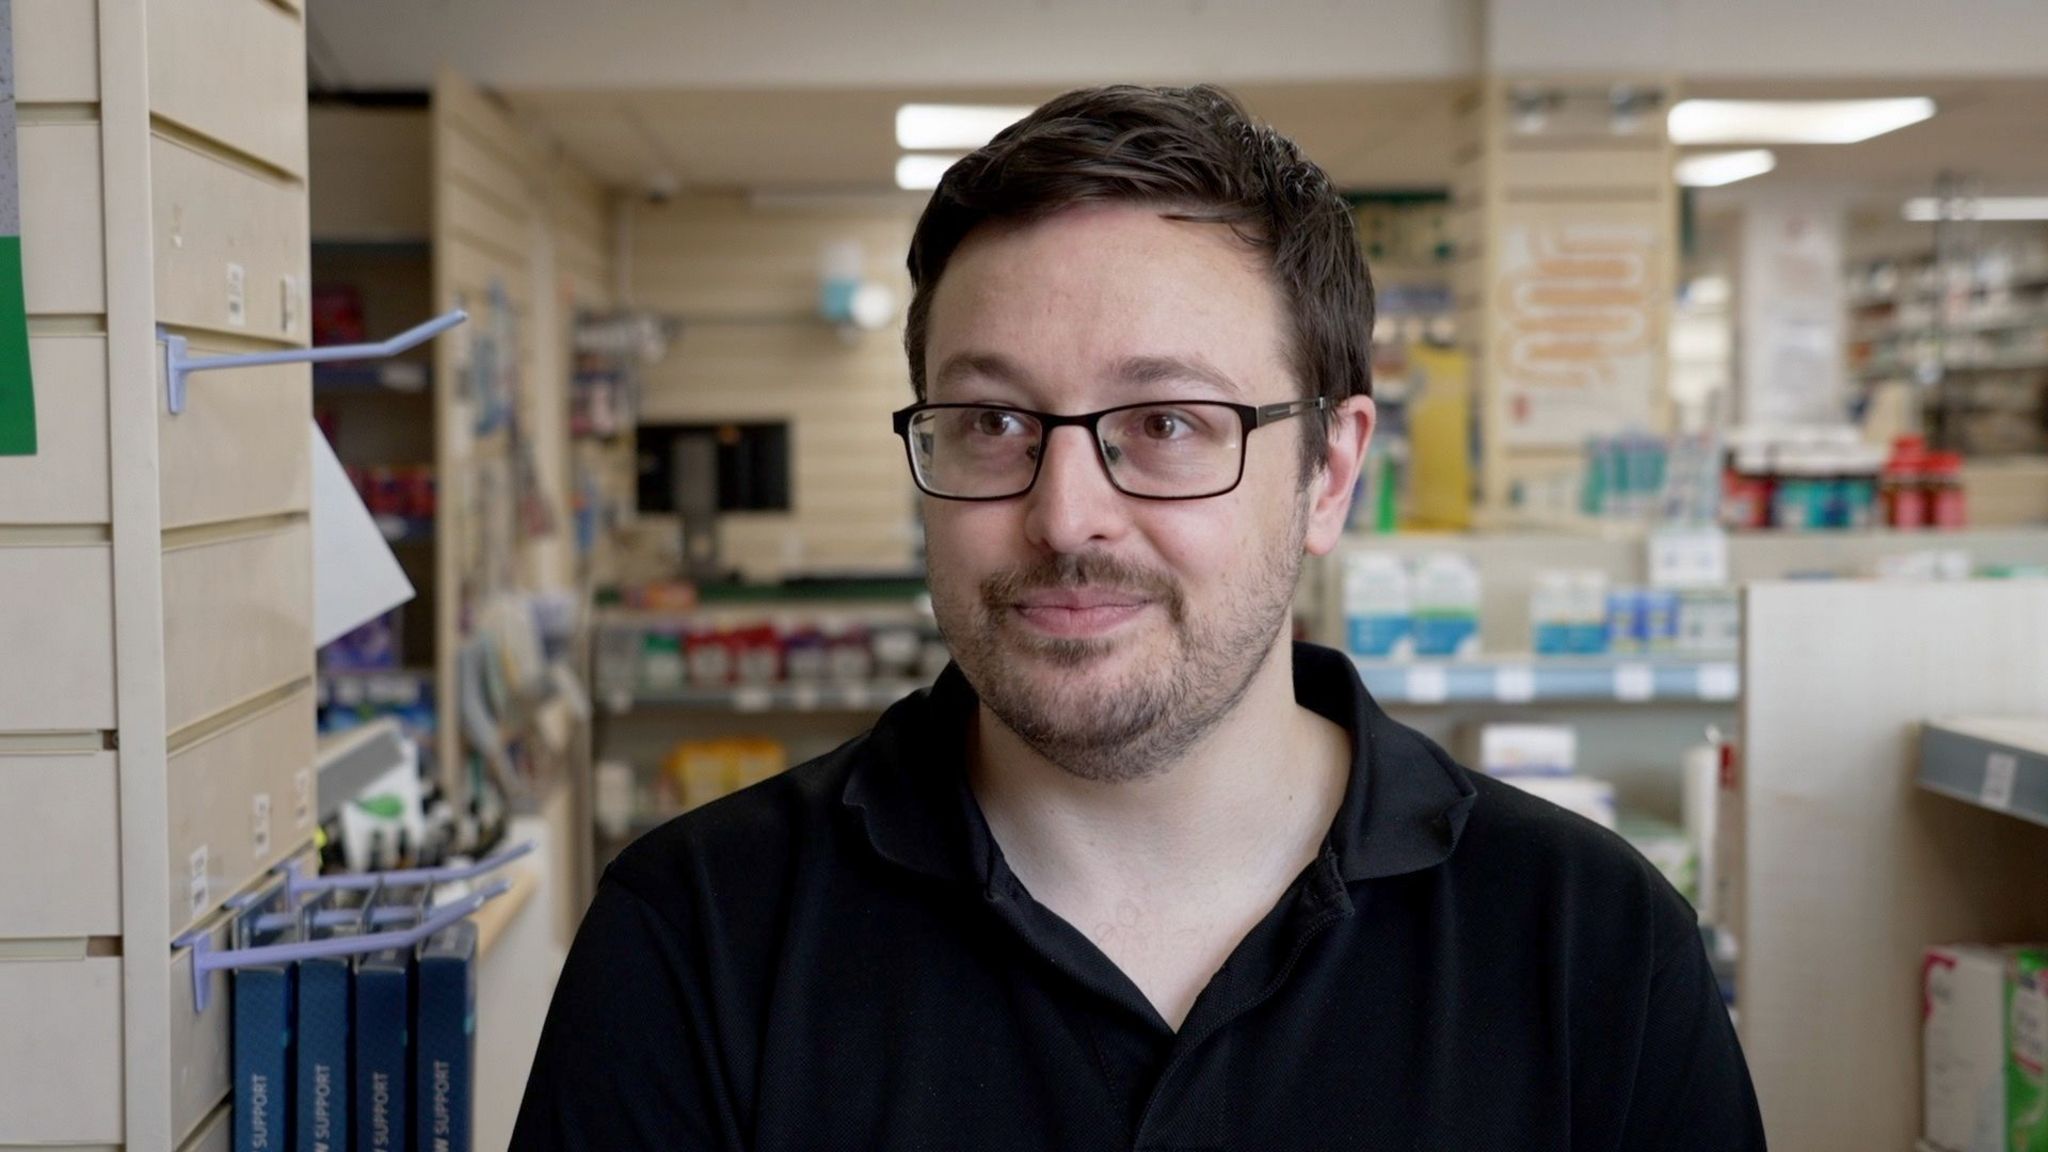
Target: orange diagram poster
x,y
1575,329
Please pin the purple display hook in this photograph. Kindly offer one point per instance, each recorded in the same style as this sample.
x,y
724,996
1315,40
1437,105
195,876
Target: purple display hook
x,y
178,363
206,961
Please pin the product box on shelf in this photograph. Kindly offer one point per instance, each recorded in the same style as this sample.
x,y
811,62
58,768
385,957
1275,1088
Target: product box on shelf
x,y
1379,611
1446,603
1984,1042
1526,749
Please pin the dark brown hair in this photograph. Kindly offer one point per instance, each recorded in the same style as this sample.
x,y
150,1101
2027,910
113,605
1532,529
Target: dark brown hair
x,y
1198,155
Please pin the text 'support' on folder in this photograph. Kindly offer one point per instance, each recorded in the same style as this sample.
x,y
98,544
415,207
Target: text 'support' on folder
x,y
445,1049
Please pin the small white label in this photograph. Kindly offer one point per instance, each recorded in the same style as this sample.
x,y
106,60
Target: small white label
x,y
1634,682
1514,684
619,703
1719,682
196,880
1428,684
751,698
804,697
259,824
288,304
302,797
2001,771
238,296
1688,558
857,695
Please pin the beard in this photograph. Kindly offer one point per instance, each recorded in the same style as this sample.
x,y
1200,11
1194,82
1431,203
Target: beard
x,y
1061,696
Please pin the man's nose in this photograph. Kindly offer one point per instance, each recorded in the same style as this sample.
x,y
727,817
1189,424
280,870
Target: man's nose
x,y
1073,504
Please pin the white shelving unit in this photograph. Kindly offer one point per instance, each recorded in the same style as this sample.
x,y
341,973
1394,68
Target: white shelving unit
x,y
156,653
1846,869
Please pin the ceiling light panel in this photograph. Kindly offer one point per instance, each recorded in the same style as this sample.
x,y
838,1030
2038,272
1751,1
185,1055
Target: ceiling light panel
x,y
1793,121
960,127
1713,169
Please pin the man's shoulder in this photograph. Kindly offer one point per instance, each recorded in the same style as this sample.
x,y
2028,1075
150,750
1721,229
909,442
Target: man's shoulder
x,y
1556,864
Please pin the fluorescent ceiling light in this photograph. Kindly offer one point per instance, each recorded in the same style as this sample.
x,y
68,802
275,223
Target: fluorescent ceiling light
x,y
920,171
1927,208
1793,121
1713,169
957,126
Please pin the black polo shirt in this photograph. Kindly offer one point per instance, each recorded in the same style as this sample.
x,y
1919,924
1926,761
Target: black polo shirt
x,y
840,959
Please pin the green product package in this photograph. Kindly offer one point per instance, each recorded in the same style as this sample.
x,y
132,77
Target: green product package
x,y
2026,1054
17,392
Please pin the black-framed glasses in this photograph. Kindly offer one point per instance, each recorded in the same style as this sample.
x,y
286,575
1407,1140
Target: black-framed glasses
x,y
1160,450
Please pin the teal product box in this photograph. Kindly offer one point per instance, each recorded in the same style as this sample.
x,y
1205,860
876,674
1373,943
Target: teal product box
x,y
445,1045
1444,596
326,993
383,1013
263,1050
1379,620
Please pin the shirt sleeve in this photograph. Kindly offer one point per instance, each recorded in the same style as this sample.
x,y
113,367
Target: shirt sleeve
x,y
1692,1090
628,1057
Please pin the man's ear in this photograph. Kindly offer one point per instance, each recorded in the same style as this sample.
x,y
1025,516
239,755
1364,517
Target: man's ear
x,y
1330,490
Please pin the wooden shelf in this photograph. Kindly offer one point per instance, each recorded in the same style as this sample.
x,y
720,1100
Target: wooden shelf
x,y
495,918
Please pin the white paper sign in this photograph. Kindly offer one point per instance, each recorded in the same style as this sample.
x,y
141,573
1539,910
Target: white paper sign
x,y
1719,682
355,576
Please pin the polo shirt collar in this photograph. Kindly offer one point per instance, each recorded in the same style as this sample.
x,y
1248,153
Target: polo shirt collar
x,y
1403,809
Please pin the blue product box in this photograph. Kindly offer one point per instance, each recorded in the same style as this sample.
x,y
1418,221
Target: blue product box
x,y
1377,636
1625,621
1660,619
263,1050
445,1051
1445,635
383,1011
325,1011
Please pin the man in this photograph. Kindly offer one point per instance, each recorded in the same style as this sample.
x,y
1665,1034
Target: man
x,y
1137,872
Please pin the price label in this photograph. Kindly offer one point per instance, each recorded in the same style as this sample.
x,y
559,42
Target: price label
x,y
1634,682
196,886
1719,682
804,697
751,698
1428,684
259,824
1514,684
238,296
2001,771
857,695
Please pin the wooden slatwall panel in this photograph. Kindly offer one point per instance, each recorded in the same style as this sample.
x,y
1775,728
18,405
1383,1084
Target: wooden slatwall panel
x,y
508,209
745,283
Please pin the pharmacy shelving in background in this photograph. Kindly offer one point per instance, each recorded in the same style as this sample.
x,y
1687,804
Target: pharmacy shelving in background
x,y
1515,680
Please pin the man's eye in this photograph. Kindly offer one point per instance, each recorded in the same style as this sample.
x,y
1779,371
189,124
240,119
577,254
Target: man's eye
x,y
990,422
1163,425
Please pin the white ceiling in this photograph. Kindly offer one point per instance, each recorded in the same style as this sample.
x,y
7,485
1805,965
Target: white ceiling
x,y
1369,135
1394,135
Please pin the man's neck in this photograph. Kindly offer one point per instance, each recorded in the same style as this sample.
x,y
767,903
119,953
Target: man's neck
x,y
1251,802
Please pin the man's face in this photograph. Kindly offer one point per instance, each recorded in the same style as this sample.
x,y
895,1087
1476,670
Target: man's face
x,y
1111,632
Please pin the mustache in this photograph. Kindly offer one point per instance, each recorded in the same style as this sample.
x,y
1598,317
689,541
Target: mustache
x,y
1084,570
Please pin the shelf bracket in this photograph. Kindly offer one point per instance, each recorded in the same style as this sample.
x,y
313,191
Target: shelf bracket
x,y
178,363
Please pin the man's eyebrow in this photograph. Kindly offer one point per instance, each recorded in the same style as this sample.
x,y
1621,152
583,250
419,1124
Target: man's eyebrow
x,y
961,367
1142,370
